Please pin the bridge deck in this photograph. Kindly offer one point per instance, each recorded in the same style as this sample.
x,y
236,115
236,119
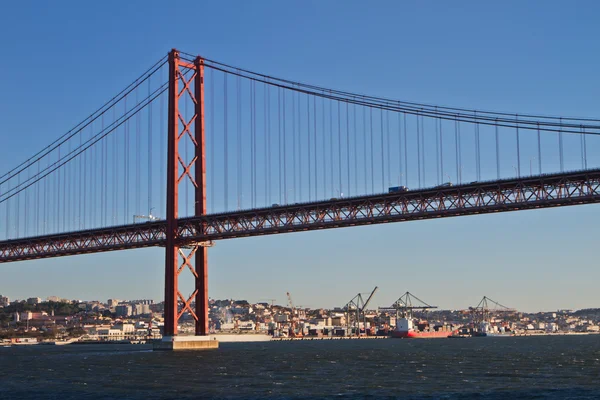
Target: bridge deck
x,y
563,189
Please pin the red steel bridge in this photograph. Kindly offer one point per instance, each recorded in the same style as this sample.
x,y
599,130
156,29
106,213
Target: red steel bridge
x,y
232,153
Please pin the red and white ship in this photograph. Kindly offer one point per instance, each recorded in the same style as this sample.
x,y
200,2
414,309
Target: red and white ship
x,y
405,328
405,323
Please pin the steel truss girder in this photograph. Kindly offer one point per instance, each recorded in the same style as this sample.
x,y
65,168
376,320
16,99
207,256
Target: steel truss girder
x,y
84,242
478,198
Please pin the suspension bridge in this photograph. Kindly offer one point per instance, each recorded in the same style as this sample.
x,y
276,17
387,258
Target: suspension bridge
x,y
226,153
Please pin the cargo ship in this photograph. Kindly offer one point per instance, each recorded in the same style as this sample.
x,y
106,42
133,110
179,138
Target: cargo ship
x,y
405,322
405,328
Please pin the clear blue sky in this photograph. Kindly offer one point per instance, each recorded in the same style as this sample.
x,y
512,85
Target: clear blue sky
x,y
60,61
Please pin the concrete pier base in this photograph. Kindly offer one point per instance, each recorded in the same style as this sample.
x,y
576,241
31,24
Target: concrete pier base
x,y
175,343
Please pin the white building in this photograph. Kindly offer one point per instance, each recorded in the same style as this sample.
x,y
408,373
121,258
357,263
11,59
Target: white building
x,y
142,309
593,328
110,334
247,325
127,329
541,326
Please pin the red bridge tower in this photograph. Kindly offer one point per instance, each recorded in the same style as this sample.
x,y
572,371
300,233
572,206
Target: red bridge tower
x,y
190,172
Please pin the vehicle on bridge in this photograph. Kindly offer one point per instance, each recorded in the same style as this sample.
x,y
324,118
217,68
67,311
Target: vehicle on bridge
x,y
397,189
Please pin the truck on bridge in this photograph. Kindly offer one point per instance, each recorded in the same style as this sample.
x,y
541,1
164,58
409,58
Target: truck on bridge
x,y
397,189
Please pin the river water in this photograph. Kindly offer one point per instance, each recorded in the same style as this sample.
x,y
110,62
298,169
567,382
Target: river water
x,y
541,367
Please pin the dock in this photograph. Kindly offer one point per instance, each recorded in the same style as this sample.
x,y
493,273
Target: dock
x,y
289,339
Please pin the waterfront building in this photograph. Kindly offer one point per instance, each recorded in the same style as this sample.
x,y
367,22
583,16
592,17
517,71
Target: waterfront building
x,y
110,334
247,325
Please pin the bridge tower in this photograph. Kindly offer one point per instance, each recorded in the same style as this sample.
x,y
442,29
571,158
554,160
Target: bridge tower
x,y
190,172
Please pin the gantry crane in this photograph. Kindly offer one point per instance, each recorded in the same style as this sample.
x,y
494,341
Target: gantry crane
x,y
292,332
357,306
404,306
482,312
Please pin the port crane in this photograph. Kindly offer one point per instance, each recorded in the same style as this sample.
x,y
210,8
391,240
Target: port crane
x,y
404,306
291,303
294,317
357,307
483,312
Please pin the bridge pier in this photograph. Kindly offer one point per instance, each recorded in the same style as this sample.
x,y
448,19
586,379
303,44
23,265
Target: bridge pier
x,y
179,255
174,343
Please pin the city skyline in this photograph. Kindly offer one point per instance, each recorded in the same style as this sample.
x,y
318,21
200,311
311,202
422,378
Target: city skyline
x,y
6,301
526,260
